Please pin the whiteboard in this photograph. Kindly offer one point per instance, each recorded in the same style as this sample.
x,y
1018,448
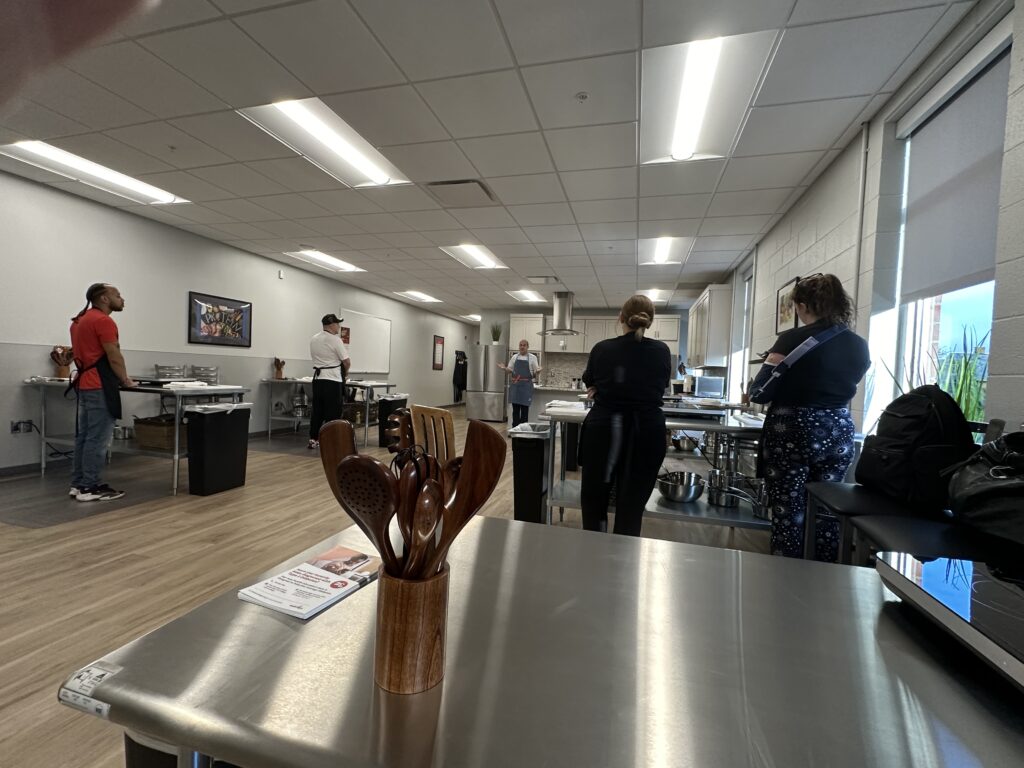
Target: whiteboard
x,y
369,344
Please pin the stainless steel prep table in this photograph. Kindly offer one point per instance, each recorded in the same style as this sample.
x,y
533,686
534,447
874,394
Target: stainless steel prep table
x,y
568,648
368,388
180,394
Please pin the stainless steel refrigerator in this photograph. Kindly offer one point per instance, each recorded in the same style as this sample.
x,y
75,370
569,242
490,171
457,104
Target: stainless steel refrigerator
x,y
486,387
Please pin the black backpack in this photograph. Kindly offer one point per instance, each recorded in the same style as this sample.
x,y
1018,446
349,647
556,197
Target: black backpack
x,y
919,435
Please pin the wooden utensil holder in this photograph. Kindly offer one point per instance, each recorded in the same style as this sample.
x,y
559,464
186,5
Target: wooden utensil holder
x,y
412,617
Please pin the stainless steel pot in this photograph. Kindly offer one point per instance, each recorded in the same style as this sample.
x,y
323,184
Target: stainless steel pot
x,y
719,485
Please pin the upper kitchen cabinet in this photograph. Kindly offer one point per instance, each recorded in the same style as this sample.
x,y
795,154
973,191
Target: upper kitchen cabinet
x,y
708,333
565,343
665,328
527,327
598,329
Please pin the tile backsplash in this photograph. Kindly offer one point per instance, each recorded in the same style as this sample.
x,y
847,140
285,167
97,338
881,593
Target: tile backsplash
x,y
561,367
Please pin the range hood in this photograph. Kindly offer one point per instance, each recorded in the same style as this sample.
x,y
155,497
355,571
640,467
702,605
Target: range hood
x,y
561,303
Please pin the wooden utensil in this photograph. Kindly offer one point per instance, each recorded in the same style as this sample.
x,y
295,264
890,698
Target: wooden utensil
x,y
482,463
421,546
450,477
337,440
368,491
416,471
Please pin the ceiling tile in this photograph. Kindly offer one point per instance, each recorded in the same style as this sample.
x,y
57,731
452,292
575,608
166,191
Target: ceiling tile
x,y
324,44
542,214
343,201
719,258
954,13
233,135
451,237
296,174
290,206
680,178
388,116
605,146
243,231
104,150
479,105
548,30
473,218
93,193
531,188
670,21
522,253
669,228
237,6
375,223
438,39
548,250
404,197
810,11
591,211
673,207
166,15
35,121
239,179
563,263
405,239
734,225
554,234
285,228
851,57
722,243
362,242
186,185
425,221
616,231
222,59
433,161
767,171
598,248
507,155
243,210
501,236
332,225
164,141
747,203
602,184
796,127
200,214
613,260
609,83
71,95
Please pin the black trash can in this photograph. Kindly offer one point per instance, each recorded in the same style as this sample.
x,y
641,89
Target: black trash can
x,y
531,453
218,444
386,405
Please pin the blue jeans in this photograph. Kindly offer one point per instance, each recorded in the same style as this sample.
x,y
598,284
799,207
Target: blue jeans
x,y
95,428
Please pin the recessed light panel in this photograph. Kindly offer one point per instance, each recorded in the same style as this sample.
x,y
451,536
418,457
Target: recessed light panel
x,y
473,256
663,251
418,296
311,256
472,318
527,297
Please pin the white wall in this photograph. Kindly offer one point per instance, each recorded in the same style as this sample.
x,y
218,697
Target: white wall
x,y
55,244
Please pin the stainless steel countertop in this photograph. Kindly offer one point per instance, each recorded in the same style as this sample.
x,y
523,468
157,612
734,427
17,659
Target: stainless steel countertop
x,y
570,648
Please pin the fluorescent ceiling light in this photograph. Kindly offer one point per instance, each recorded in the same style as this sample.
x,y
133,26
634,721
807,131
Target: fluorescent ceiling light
x,y
527,296
473,256
312,256
49,158
418,296
311,128
474,318
698,77
662,251
655,295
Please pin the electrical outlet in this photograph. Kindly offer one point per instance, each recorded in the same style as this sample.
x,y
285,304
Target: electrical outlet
x,y
21,426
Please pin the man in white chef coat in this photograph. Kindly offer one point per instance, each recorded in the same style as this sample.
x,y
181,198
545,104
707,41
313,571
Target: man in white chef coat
x,y
330,364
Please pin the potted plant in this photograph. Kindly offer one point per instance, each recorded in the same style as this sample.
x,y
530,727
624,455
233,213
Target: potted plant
x,y
62,357
495,332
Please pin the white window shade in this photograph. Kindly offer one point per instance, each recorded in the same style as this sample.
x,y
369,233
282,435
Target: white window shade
x,y
956,161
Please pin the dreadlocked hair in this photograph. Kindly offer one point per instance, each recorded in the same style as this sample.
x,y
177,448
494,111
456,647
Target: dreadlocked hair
x,y
638,314
826,298
91,297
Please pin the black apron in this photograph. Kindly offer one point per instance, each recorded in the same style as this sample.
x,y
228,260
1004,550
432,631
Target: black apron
x,y
316,371
108,380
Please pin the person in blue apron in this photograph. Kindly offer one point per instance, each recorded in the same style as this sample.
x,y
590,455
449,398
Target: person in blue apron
x,y
330,364
523,368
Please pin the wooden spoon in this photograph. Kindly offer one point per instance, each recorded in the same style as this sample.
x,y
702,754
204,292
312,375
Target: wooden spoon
x,y
416,471
450,477
369,493
482,463
428,512
337,440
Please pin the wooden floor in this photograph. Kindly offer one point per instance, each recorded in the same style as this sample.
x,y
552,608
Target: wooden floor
x,y
94,577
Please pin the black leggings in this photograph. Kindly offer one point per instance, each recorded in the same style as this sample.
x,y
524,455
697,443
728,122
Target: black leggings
x,y
520,414
627,450
328,397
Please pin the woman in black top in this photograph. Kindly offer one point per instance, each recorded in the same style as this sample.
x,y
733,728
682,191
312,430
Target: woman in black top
x,y
623,437
808,432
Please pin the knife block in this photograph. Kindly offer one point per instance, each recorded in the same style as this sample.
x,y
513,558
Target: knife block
x,y
412,617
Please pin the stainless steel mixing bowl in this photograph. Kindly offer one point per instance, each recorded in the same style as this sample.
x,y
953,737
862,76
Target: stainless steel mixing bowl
x,y
681,487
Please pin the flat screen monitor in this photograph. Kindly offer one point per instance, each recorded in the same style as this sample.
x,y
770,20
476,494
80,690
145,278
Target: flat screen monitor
x,y
979,604
709,386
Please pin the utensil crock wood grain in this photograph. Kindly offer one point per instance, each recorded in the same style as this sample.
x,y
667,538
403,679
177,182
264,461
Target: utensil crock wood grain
x,y
412,619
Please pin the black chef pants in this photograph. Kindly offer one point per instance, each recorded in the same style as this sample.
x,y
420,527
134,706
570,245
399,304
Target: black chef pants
x,y
328,397
627,450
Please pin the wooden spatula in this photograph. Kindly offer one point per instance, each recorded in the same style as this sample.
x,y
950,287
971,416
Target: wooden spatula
x,y
368,491
428,512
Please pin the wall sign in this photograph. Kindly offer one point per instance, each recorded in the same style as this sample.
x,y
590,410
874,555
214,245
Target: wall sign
x,y
438,353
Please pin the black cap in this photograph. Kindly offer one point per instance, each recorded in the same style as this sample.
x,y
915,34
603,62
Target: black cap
x,y
331,319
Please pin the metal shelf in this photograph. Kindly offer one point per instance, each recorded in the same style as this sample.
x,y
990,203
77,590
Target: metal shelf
x,y
122,446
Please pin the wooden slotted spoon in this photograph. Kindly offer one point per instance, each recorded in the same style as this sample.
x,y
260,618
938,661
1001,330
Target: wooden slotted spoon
x,y
368,491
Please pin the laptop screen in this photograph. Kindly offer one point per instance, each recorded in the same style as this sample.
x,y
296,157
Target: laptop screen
x,y
709,386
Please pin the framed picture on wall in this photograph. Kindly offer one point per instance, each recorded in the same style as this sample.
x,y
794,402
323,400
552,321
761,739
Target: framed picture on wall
x,y
219,321
438,364
785,312
346,335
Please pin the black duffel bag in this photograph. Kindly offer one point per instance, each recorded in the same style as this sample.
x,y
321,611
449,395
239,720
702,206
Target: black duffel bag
x,y
987,491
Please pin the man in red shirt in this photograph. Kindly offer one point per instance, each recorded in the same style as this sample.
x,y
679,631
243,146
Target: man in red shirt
x,y
101,373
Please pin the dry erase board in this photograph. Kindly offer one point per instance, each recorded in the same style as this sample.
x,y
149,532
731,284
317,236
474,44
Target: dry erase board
x,y
368,342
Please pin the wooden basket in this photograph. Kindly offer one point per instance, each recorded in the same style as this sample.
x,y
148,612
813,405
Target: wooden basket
x,y
157,433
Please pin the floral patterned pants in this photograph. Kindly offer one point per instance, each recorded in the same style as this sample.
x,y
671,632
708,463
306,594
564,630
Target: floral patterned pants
x,y
802,444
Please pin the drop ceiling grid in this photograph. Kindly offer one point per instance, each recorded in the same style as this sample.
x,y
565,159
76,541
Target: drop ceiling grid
x,y
534,220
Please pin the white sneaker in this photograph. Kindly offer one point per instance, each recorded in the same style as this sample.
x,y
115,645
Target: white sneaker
x,y
74,491
98,493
